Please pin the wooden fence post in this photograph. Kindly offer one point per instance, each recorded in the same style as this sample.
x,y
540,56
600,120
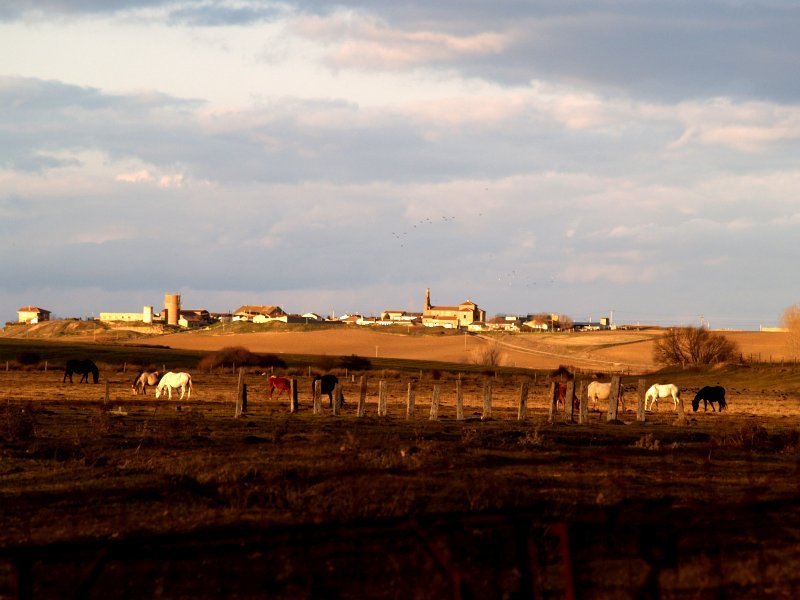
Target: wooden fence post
x,y
487,400
244,397
522,411
237,409
362,397
641,390
459,400
45,366
105,398
317,397
412,391
337,399
437,390
294,405
382,398
551,415
569,402
583,410
613,398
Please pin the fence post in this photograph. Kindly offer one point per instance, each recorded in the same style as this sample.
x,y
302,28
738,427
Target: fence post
x,y
105,398
362,398
613,398
317,397
412,390
583,410
459,400
382,398
641,390
337,399
551,415
237,409
45,366
244,397
522,411
437,390
487,400
569,402
294,405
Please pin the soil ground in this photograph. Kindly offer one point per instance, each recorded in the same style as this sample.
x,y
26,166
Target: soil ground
x,y
138,497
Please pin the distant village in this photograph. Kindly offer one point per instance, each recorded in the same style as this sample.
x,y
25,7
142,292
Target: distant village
x,y
466,316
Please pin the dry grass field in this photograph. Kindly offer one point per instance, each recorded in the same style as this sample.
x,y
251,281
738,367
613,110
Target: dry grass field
x,y
138,497
131,496
622,350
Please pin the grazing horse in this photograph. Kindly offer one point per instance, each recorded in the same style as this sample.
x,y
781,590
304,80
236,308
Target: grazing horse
x,y
329,382
174,381
83,368
282,384
602,391
561,398
142,380
710,394
658,390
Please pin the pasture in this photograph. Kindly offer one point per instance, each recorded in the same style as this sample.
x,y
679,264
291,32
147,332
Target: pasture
x,y
138,497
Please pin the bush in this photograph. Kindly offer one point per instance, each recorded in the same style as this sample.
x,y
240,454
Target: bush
x,y
694,346
28,358
241,357
355,363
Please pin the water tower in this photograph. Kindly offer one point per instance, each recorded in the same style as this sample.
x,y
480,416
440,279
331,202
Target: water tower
x,y
172,308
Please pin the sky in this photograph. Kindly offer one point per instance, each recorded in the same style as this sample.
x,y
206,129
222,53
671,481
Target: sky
x,y
638,158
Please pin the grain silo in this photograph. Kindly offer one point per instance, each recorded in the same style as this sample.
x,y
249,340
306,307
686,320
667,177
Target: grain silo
x,y
172,308
147,314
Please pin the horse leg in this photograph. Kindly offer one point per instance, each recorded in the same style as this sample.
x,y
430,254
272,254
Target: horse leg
x,y
183,391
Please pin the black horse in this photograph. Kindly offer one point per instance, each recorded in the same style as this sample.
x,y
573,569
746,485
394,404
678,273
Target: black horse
x,y
83,368
329,382
710,394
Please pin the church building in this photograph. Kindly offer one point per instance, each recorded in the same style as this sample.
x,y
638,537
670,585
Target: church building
x,y
451,317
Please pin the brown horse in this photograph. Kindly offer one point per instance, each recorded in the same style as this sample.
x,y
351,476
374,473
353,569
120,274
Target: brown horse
x,y
143,379
282,384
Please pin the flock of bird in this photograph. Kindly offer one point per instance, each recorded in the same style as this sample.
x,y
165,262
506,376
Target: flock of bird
x,y
427,221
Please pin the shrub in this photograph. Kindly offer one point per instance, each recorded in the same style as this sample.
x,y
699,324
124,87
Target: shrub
x,y
694,346
28,358
355,363
241,357
490,355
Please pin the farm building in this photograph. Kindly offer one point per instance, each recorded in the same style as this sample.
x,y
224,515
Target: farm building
x,y
32,314
451,317
146,316
249,312
190,318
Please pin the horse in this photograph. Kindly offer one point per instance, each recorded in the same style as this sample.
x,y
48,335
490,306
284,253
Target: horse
x,y
142,380
602,391
83,368
658,390
282,384
329,382
710,394
175,380
561,398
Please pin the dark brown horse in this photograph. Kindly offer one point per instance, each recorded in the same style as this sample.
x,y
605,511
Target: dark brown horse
x,y
83,368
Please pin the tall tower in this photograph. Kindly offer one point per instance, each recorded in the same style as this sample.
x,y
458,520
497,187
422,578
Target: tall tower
x,y
427,298
172,308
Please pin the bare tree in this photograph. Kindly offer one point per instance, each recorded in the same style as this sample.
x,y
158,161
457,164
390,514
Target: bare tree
x,y
490,355
790,320
694,346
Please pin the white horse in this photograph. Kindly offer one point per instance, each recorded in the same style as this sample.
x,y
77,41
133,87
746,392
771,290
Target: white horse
x,y
602,391
174,381
658,390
